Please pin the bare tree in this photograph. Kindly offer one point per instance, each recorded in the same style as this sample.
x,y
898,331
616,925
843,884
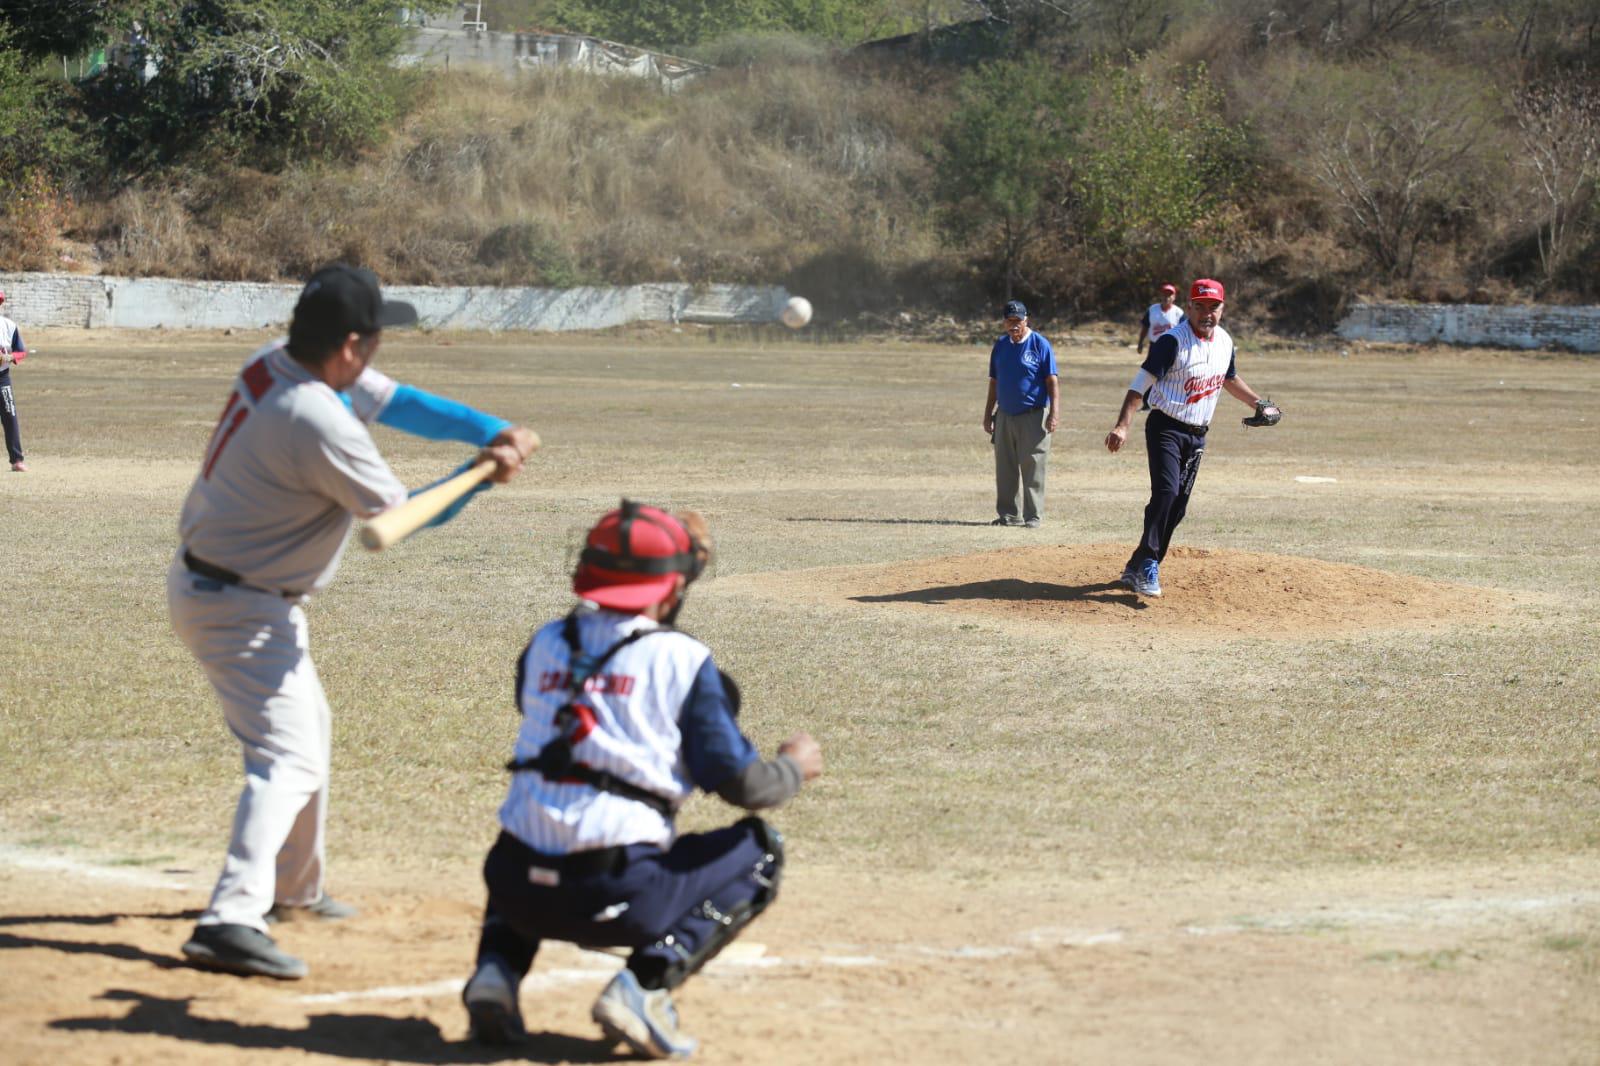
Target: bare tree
x,y
1389,170
1559,127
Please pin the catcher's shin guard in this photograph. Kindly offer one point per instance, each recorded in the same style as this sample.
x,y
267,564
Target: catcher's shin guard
x,y
697,937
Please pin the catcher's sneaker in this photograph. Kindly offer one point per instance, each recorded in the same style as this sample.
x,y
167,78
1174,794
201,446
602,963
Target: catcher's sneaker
x,y
646,1021
1003,520
491,1001
1032,523
242,950
1148,581
326,909
1128,578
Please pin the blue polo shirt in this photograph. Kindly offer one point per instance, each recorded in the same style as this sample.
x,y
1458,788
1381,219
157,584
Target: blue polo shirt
x,y
1020,370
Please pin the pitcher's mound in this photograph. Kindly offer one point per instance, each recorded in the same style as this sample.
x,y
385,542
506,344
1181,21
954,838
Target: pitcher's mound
x,y
1245,593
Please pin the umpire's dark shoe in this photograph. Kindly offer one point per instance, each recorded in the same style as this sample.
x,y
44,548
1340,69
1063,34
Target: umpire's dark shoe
x,y
326,909
242,950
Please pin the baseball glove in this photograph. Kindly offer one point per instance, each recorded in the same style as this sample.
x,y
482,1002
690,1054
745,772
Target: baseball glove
x,y
1267,414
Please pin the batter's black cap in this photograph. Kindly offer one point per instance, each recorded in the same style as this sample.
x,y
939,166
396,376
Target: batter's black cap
x,y
340,300
1014,309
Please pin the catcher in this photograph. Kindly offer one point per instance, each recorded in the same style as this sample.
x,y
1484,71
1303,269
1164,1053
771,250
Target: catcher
x,y
1186,368
623,717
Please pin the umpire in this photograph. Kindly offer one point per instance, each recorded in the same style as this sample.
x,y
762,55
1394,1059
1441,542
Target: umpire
x,y
1020,412
623,717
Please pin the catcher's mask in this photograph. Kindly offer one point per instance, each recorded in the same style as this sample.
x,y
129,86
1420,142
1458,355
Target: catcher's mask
x,y
633,556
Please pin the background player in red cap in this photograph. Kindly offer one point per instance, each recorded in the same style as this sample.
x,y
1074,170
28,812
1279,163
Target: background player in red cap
x,y
623,717
1160,317
12,351
1186,369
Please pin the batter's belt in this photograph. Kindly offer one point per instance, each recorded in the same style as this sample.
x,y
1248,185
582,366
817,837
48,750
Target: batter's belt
x,y
199,566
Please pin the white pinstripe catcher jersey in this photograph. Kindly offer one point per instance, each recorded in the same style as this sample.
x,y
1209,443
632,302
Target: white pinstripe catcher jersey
x,y
1185,374
1162,321
637,699
287,469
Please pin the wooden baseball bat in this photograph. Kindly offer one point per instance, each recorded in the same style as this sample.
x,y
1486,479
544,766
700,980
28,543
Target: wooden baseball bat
x,y
400,522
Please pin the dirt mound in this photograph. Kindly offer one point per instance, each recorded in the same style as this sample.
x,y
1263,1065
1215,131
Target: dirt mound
x,y
1246,593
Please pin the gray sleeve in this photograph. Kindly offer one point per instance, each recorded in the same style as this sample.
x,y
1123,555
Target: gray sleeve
x,y
763,784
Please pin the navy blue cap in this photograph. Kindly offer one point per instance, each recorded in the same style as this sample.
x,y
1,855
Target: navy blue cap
x,y
1015,309
341,299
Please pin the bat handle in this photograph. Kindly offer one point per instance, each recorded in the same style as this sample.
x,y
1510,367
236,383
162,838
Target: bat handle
x,y
398,523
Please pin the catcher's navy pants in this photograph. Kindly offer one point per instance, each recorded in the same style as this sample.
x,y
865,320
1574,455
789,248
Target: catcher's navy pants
x,y
1174,451
669,905
8,417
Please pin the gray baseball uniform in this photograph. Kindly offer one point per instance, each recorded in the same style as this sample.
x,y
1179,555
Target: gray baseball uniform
x,y
288,466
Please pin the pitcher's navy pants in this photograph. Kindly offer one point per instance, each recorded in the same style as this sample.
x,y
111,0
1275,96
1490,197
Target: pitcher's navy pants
x,y
1174,451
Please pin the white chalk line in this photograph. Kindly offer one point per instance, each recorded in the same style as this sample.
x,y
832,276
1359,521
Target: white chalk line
x,y
1413,913
28,859
747,958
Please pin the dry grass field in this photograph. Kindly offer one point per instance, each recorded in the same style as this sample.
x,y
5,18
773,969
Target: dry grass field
x,y
1334,798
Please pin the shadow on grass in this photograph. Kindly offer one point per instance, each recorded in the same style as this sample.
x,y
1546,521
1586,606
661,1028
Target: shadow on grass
x,y
1015,589
371,1037
897,521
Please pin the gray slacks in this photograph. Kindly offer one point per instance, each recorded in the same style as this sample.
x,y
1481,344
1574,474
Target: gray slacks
x,y
1021,450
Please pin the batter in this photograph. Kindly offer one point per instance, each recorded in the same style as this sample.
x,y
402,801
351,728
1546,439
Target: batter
x,y
288,468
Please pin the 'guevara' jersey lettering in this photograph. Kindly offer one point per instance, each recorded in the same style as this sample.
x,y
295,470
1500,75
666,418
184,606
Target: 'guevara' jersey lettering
x,y
286,471
1185,373
657,717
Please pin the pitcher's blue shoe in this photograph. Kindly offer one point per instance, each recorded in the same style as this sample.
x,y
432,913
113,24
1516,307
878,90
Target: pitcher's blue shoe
x,y
645,1020
1148,580
1128,578
491,1001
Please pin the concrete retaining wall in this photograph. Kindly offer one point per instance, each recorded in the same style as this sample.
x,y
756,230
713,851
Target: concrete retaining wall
x,y
1576,328
72,300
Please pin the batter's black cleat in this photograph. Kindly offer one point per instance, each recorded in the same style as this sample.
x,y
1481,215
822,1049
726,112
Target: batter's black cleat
x,y
1005,521
326,909
242,950
491,1001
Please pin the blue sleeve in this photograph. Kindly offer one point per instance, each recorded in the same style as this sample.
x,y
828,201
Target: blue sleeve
x,y
1049,360
1163,353
712,744
994,353
1232,373
423,414
16,341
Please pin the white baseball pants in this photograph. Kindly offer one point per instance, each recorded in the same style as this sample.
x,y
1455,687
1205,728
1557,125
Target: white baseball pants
x,y
255,649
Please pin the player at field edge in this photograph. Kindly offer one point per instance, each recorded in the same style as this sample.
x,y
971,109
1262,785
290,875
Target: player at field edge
x,y
288,468
623,718
12,352
1020,412
1187,368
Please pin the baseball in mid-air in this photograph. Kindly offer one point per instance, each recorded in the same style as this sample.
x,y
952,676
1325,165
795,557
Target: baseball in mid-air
x,y
796,313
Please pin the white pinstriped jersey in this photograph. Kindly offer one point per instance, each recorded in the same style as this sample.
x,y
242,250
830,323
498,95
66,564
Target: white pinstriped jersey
x,y
285,471
1185,373
636,699
1162,321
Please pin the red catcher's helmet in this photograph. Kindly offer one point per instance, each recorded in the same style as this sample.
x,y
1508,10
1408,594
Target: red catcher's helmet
x,y
633,556
1206,289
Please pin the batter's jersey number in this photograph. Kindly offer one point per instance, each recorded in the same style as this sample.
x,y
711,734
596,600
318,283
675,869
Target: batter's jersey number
x,y
256,379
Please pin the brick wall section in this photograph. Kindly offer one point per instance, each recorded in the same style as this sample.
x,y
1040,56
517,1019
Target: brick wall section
x,y
1574,328
38,301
